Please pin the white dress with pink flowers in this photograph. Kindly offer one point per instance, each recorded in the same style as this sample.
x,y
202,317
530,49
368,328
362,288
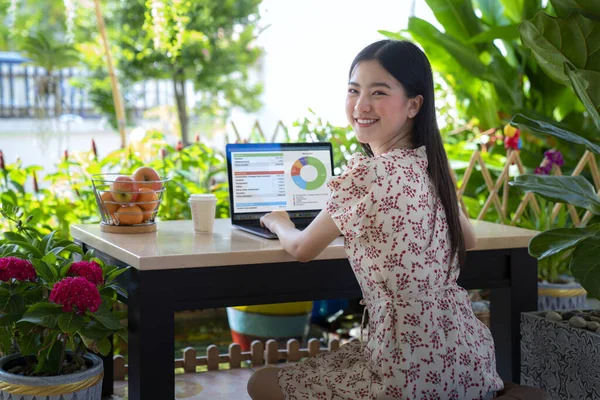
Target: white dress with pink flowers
x,y
424,342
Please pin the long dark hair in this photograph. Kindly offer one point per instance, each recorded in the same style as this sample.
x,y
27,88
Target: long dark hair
x,y
410,66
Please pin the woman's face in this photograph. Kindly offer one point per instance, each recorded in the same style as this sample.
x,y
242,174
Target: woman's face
x,y
377,107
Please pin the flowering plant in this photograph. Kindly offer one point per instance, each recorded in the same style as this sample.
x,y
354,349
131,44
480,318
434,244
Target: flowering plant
x,y
54,299
551,158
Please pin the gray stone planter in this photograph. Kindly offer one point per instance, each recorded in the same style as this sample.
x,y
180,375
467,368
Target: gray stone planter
x,y
85,385
560,359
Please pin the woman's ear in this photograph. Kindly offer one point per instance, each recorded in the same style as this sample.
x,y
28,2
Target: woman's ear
x,y
414,105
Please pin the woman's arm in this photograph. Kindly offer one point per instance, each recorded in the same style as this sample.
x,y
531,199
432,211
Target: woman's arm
x,y
468,230
302,245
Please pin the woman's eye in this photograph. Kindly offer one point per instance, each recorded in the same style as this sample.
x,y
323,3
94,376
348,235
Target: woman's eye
x,y
352,91
378,93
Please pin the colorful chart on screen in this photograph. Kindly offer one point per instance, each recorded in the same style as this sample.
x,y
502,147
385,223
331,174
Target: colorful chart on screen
x,y
309,173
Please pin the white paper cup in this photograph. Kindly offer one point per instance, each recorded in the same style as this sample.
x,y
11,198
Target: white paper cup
x,y
204,207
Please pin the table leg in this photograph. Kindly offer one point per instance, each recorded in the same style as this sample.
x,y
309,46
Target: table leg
x,y
524,273
108,381
506,307
151,340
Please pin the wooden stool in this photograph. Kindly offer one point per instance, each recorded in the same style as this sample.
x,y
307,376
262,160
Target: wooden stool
x,y
512,391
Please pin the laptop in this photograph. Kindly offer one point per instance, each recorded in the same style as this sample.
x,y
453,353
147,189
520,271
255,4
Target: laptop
x,y
265,177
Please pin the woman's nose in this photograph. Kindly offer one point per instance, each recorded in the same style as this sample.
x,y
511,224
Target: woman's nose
x,y
362,105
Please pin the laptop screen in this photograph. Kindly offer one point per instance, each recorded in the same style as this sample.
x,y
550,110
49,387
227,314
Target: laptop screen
x,y
268,177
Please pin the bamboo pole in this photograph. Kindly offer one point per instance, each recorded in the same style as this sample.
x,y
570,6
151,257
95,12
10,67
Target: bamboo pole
x,y
114,83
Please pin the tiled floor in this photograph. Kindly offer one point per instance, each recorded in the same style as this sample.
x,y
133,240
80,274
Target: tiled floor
x,y
213,385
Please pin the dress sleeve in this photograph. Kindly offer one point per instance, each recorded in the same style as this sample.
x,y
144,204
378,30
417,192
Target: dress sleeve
x,y
352,203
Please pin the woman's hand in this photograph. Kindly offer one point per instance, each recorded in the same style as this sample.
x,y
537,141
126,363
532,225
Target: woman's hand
x,y
276,220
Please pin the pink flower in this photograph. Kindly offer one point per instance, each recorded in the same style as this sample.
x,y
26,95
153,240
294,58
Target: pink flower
x,y
16,268
90,270
76,293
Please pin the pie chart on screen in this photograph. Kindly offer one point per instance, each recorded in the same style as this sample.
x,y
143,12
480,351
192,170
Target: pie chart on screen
x,y
309,173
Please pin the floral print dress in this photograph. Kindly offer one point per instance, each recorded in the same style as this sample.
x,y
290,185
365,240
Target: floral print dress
x,y
424,342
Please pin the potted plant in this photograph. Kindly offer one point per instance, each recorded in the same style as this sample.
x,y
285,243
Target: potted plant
x,y
560,351
56,314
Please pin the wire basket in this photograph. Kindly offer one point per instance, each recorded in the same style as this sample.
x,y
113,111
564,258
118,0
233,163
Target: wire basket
x,y
125,202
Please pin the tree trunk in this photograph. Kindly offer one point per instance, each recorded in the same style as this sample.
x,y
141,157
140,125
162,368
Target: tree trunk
x,y
180,100
114,82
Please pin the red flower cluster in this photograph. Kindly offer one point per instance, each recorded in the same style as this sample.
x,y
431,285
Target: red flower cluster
x,y
16,268
90,270
76,293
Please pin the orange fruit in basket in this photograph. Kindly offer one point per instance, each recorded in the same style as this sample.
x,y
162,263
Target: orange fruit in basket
x,y
147,199
129,215
108,202
147,177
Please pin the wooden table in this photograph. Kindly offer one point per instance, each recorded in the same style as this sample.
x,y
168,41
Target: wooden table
x,y
175,269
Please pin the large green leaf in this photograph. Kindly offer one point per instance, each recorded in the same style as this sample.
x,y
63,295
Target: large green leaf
x,y
585,265
555,241
44,270
492,12
554,41
507,32
589,8
466,56
70,322
44,314
519,10
457,17
528,124
587,87
11,303
106,318
575,190
29,343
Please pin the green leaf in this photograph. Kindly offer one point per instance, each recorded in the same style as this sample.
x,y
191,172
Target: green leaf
x,y
33,295
507,32
11,303
47,241
114,274
73,248
588,8
29,343
519,10
29,248
457,17
49,361
527,124
44,314
586,85
492,12
106,318
555,241
49,258
103,346
95,330
575,190
15,237
70,322
554,41
585,265
465,55
124,335
44,270
65,269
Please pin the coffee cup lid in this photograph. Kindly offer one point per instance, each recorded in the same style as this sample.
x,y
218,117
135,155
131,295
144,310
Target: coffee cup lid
x,y
202,197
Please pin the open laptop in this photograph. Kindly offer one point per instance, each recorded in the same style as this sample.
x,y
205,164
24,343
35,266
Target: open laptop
x,y
277,176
